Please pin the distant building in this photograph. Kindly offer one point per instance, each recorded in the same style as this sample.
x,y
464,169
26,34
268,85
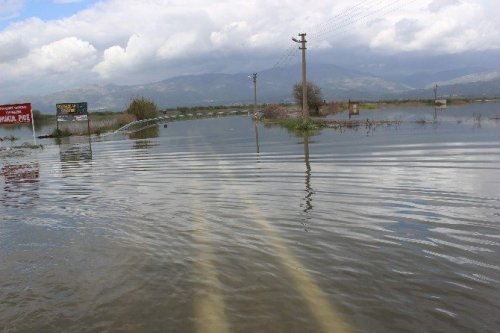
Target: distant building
x,y
353,108
440,102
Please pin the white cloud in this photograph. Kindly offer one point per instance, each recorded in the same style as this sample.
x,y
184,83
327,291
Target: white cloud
x,y
12,47
230,34
58,65
446,26
117,58
132,41
65,55
437,5
177,44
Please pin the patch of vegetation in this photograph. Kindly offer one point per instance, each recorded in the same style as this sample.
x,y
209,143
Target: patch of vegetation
x,y
275,111
143,108
38,116
28,145
107,121
314,96
301,125
10,138
368,106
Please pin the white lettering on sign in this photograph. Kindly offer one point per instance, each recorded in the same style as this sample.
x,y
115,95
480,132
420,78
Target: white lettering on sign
x,y
7,119
24,118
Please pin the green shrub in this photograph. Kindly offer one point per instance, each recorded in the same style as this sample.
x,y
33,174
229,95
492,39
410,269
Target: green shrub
x,y
143,108
302,126
275,111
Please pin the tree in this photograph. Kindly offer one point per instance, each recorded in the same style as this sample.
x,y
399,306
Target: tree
x,y
142,108
314,96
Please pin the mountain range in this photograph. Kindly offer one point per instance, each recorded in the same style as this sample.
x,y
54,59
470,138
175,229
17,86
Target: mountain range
x,y
275,86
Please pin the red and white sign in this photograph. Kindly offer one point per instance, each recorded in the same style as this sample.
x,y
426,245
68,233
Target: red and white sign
x,y
15,114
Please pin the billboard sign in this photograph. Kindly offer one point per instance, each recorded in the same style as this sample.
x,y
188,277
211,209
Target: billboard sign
x,y
72,111
15,114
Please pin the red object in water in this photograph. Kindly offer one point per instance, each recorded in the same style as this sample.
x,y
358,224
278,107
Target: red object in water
x,y
15,114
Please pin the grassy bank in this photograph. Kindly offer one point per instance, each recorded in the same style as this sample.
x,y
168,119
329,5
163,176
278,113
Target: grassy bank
x,y
99,123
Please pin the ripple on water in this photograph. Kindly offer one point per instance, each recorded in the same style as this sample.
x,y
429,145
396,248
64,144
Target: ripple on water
x,y
397,229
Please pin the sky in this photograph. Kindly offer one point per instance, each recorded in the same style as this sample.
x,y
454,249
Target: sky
x,y
53,45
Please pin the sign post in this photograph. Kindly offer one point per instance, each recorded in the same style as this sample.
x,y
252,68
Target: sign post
x,y
353,108
33,126
11,114
73,112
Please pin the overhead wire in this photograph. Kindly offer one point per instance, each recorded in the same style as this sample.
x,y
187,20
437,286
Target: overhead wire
x,y
386,9
290,53
357,13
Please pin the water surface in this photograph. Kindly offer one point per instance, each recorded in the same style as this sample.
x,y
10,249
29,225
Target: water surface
x,y
223,225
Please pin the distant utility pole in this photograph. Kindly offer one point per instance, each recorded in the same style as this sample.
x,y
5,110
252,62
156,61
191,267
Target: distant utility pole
x,y
254,79
302,41
435,92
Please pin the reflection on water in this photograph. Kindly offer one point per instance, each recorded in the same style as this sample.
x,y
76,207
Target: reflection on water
x,y
256,136
203,232
308,189
75,153
21,184
140,137
77,175
439,109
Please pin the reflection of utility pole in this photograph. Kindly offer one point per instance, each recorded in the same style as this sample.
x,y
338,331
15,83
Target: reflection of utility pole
x,y
302,41
256,136
435,101
309,191
254,79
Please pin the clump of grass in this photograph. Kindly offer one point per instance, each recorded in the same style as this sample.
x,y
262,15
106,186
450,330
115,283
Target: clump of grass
x,y
369,106
301,125
31,146
10,138
124,119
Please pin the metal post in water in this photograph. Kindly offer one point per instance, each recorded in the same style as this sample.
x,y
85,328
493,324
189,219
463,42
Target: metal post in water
x,y
33,125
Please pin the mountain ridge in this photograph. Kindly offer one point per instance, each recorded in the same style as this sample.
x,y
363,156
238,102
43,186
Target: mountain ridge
x,y
273,86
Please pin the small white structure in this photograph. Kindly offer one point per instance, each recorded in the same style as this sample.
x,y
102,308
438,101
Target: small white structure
x,y
440,102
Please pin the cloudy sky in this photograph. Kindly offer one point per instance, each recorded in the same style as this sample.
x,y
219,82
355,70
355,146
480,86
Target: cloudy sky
x,y
52,45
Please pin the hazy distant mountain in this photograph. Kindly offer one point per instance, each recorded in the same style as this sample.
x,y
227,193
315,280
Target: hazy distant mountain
x,y
480,89
421,80
273,86
470,78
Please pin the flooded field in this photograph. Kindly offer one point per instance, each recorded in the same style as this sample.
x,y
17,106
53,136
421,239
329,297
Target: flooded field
x,y
223,225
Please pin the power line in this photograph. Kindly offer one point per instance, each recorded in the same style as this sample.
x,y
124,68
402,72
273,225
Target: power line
x,y
357,13
384,10
346,13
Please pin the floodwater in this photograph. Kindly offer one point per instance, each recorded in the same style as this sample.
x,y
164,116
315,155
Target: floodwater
x,y
223,225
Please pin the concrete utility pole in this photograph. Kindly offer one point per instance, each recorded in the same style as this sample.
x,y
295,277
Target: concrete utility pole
x,y
302,41
254,79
